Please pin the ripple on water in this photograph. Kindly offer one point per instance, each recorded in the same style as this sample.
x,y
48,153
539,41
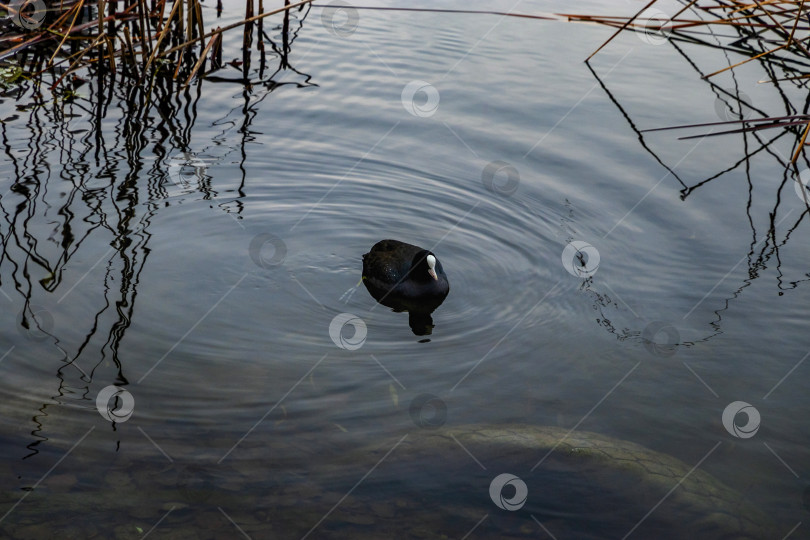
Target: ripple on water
x,y
495,250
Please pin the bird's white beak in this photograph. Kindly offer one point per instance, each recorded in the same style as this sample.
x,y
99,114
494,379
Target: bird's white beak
x,y
431,262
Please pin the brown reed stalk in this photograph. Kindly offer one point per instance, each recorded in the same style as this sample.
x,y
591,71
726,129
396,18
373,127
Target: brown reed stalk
x,y
765,27
201,61
772,19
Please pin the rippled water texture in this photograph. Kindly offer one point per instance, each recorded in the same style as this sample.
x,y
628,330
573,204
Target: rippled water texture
x,y
623,338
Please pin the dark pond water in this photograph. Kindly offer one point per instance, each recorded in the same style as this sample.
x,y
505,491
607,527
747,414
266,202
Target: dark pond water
x,y
178,362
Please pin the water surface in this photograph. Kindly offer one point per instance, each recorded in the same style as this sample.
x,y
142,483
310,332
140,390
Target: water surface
x,y
197,259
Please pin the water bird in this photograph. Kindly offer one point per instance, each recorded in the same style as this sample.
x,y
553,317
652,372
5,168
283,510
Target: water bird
x,y
408,278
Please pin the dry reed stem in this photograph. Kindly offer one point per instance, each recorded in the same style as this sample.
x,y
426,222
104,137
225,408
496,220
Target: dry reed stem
x,y
800,146
77,8
746,16
760,55
201,60
238,24
162,35
620,30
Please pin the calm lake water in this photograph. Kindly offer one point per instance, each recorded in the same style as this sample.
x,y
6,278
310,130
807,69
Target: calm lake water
x,y
170,280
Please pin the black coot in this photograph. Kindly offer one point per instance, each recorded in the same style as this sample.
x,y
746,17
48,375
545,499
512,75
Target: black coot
x,y
408,278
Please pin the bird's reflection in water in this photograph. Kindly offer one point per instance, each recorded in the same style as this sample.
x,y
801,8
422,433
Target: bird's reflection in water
x,y
421,322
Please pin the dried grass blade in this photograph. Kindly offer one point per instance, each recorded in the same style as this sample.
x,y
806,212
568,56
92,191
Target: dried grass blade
x,y
800,146
744,130
201,60
79,56
760,55
729,122
162,35
620,30
237,25
77,8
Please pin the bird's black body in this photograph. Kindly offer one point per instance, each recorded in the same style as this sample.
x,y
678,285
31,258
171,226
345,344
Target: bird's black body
x,y
396,274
